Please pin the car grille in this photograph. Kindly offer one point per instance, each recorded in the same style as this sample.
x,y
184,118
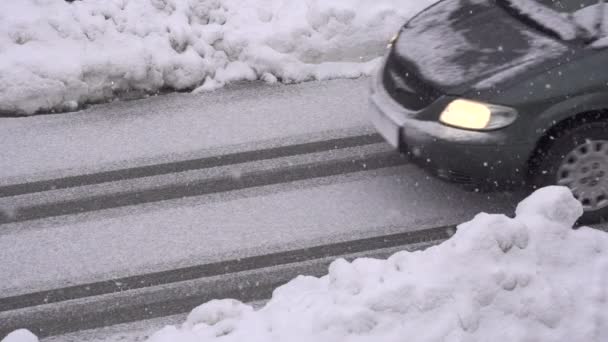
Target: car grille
x,y
405,87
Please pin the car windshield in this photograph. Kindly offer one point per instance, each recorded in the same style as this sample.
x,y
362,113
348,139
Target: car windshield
x,y
566,20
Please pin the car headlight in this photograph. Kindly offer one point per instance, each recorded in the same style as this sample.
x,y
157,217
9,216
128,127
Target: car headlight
x,y
473,115
393,39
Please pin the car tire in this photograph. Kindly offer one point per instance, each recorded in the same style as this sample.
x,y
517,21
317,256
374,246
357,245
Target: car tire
x,y
578,158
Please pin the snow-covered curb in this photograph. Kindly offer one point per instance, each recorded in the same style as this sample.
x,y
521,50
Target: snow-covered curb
x,y
528,278
55,55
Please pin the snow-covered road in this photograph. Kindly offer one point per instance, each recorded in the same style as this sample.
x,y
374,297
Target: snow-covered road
x,y
177,127
297,170
57,252
123,216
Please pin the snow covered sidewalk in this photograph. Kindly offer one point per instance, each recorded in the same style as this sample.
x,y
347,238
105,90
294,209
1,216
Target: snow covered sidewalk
x,y
56,55
528,278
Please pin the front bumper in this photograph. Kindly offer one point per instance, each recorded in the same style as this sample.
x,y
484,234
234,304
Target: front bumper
x,y
469,157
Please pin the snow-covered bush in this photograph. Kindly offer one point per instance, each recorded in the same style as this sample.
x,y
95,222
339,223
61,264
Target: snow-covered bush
x,y
56,55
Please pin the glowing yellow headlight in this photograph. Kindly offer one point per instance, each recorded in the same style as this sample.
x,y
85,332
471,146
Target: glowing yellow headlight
x,y
392,41
466,114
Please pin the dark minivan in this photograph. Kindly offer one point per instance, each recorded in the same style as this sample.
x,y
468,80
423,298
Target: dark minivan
x,y
502,93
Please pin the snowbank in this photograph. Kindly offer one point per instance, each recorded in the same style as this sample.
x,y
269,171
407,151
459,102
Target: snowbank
x,y
56,55
528,278
21,335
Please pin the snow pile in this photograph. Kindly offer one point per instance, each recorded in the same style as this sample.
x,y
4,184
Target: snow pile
x,y
56,55
531,278
528,278
21,335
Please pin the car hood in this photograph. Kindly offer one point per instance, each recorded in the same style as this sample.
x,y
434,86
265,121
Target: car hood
x,y
456,45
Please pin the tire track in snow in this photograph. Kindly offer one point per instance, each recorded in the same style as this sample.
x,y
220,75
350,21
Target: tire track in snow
x,y
189,165
134,298
225,267
203,186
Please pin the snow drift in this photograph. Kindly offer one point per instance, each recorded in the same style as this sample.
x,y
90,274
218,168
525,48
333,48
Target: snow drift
x,y
528,278
56,55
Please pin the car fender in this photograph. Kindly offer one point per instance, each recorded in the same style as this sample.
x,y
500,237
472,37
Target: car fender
x,y
570,108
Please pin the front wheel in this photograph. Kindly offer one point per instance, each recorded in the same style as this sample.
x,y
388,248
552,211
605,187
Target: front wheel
x,y
578,159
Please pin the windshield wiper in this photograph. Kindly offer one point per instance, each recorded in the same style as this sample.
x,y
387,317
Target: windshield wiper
x,y
512,8
551,22
599,21
582,33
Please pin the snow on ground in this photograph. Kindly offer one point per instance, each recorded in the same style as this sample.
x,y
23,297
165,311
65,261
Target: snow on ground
x,y
528,278
57,55
176,127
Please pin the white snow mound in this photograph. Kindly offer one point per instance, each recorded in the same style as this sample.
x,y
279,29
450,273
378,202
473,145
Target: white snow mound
x,y
56,55
528,278
20,335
